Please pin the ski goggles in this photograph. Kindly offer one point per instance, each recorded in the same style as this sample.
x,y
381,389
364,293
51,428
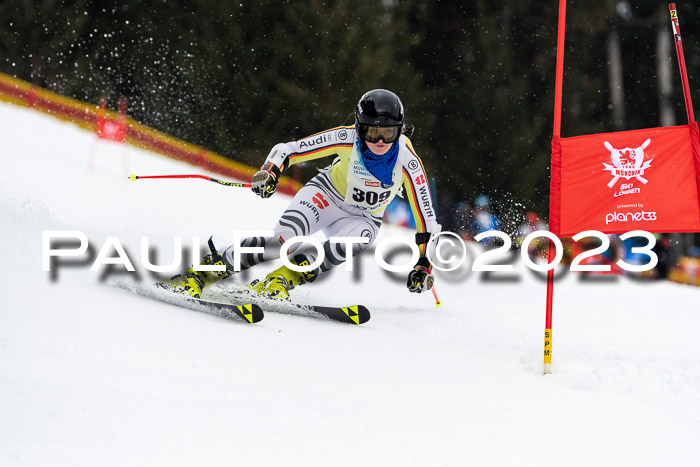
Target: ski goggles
x,y
372,134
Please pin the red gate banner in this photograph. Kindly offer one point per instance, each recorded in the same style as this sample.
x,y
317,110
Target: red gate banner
x,y
631,180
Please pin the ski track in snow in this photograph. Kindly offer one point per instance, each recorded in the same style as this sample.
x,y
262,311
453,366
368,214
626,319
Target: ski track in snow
x,y
95,376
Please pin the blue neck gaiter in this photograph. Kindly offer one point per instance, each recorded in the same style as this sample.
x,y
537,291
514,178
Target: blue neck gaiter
x,y
382,167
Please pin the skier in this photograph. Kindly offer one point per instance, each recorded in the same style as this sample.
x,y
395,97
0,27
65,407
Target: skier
x,y
347,199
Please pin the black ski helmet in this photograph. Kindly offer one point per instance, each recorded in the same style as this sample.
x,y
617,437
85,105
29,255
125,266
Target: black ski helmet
x,y
379,107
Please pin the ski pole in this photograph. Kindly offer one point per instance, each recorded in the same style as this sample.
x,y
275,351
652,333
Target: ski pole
x,y
437,300
133,178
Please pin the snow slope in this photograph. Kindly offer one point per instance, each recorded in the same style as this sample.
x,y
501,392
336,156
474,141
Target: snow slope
x,y
91,375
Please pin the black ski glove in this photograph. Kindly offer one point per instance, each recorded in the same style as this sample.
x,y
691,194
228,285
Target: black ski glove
x,y
420,278
264,182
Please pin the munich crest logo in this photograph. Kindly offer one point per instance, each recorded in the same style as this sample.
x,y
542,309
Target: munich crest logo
x,y
628,163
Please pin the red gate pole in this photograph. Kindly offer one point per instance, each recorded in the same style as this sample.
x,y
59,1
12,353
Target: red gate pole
x,y
681,62
556,135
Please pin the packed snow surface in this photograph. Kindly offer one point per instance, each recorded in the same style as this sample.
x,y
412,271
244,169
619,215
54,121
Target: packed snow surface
x,y
92,375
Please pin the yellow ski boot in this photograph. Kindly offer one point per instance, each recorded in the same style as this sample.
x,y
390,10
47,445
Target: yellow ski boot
x,y
279,282
193,282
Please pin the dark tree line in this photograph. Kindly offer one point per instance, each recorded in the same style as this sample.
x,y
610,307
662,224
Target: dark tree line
x,y
477,78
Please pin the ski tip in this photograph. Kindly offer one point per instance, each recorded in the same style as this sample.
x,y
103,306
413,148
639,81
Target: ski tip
x,y
133,177
251,313
247,312
364,314
357,314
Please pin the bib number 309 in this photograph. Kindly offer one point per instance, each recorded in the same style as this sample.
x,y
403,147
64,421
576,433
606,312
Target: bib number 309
x,y
369,197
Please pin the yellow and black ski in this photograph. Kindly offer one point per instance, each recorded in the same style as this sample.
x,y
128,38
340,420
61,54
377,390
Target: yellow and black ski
x,y
356,314
246,311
